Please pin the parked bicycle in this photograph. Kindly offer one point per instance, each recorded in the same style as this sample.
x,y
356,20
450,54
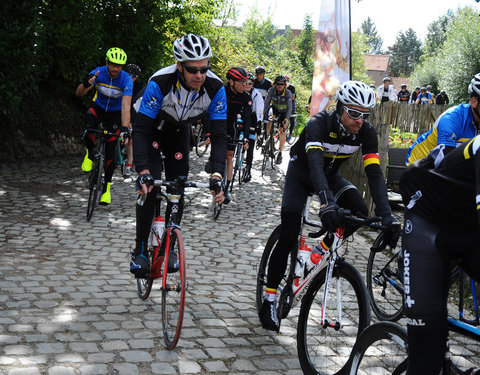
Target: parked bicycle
x,y
162,247
341,312
95,178
199,138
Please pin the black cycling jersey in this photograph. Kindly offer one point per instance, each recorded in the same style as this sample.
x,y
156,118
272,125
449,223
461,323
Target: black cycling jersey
x,y
403,96
238,103
323,146
291,88
452,183
281,104
262,86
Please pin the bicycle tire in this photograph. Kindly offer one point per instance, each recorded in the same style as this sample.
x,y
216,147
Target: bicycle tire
x,y
174,289
236,163
95,186
385,284
263,269
272,152
325,349
380,349
217,208
144,285
266,155
201,146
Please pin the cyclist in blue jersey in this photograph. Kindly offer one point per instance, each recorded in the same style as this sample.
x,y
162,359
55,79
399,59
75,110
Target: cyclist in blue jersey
x,y
174,98
110,106
454,126
424,97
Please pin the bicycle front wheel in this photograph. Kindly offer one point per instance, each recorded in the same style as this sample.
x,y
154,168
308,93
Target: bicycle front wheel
x,y
201,146
324,347
144,285
385,284
95,185
380,349
174,288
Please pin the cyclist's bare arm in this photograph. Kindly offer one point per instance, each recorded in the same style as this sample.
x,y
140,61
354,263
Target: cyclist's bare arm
x,y
126,105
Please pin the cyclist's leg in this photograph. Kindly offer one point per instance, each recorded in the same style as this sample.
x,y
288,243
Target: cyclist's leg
x,y
144,216
176,149
297,187
426,278
282,131
111,122
91,122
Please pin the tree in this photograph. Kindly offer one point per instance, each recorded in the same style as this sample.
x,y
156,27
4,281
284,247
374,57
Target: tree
x,y
437,34
359,50
405,53
306,42
374,41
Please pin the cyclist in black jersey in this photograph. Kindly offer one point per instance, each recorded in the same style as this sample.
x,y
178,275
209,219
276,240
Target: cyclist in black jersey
x,y
279,99
175,97
403,95
261,83
441,196
238,102
110,106
328,140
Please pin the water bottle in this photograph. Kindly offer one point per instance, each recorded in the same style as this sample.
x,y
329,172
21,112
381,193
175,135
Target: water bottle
x,y
158,226
303,255
313,260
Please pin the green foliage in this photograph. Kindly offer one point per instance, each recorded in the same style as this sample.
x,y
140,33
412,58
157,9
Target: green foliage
x,y
405,53
427,73
373,40
437,34
359,50
306,42
399,139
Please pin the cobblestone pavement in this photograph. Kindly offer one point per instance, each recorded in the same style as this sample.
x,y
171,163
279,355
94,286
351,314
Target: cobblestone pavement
x,y
68,304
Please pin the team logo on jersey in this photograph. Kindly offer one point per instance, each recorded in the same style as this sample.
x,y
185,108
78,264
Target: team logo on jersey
x,y
152,104
178,156
452,137
250,102
155,145
333,135
408,226
219,107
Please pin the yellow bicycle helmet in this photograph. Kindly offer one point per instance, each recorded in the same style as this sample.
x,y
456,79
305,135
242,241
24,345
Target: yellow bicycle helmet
x,y
116,56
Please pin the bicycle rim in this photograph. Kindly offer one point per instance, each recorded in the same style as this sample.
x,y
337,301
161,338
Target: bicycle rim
x,y
384,276
325,349
201,146
380,349
144,285
174,289
95,187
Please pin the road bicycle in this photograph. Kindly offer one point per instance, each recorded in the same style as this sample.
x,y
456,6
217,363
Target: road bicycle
x,y
238,156
269,146
291,137
383,349
199,138
385,286
95,178
160,248
341,312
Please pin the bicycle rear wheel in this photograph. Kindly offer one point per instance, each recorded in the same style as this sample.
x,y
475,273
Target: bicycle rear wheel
x,y
144,285
266,155
380,349
385,284
201,146
174,290
324,348
95,185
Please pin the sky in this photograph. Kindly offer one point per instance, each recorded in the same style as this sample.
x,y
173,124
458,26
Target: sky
x,y
390,16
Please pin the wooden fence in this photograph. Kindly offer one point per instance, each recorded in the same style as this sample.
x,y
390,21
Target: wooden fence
x,y
413,118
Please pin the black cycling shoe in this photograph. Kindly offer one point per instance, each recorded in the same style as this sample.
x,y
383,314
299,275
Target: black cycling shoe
x,y
173,265
268,316
279,158
140,265
247,175
227,197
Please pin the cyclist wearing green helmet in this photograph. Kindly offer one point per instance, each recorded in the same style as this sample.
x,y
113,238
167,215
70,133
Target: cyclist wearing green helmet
x,y
110,106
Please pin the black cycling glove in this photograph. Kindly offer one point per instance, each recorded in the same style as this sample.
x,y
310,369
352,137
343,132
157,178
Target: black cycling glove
x,y
259,127
329,211
85,82
392,230
146,179
215,185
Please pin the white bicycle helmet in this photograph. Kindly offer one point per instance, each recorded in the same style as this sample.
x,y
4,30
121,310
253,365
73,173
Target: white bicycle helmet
x,y
192,47
356,93
474,86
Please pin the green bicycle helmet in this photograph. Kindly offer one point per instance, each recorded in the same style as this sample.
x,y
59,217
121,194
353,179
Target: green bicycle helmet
x,y
116,56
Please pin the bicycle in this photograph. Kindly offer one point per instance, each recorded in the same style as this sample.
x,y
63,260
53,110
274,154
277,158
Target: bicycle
x,y
269,148
174,284
199,139
383,349
291,137
95,178
238,155
351,298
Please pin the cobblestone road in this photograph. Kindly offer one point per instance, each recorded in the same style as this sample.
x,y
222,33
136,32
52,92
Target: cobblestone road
x,y
68,304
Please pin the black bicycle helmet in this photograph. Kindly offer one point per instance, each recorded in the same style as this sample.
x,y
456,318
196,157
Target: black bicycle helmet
x,y
280,78
250,76
403,86
237,74
132,69
260,69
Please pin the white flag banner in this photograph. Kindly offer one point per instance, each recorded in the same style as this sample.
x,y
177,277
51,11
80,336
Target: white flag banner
x,y
332,53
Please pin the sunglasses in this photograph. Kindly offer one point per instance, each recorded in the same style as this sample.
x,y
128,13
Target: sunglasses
x,y
280,84
355,115
193,70
249,83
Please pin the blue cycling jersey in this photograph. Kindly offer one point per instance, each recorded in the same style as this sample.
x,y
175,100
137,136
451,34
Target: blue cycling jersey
x,y
453,127
111,90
